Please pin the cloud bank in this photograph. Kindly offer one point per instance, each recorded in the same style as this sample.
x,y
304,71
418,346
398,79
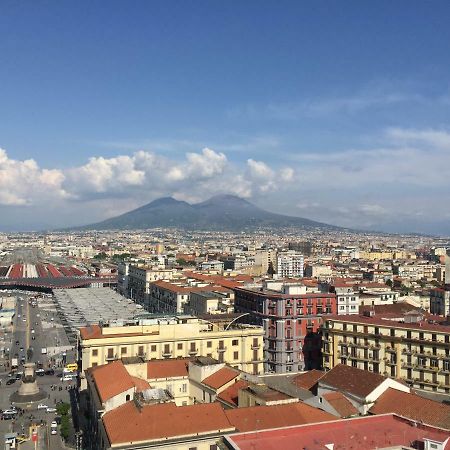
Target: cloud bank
x,y
402,184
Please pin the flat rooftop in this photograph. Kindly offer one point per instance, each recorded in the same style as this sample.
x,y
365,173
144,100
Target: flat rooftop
x,y
86,306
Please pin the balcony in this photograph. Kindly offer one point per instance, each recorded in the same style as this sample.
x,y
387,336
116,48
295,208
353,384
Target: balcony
x,y
407,351
390,350
167,353
222,349
256,347
193,351
111,357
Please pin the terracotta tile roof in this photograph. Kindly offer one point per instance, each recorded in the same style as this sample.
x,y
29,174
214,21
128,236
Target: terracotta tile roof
x,y
230,394
340,403
376,320
352,380
308,380
141,385
267,393
361,433
95,332
127,423
167,368
276,416
413,407
111,379
221,377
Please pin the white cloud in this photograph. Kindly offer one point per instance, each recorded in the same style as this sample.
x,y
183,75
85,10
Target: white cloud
x,y
23,182
140,177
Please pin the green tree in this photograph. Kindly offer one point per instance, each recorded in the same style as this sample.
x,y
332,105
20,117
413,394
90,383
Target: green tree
x,y
62,409
65,427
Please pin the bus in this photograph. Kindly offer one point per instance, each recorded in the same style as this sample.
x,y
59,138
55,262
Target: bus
x,y
73,367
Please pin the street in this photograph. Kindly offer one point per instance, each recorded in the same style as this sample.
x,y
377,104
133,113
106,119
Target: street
x,y
38,336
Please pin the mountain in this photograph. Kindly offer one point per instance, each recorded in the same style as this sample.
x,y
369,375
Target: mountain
x,y
221,212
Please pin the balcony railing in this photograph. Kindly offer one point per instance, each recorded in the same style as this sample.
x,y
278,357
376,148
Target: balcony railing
x,y
111,357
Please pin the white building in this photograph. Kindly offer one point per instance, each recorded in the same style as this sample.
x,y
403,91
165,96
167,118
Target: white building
x,y
290,265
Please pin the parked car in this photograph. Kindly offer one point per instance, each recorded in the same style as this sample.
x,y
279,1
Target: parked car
x,y
40,372
51,410
42,406
50,372
10,381
57,420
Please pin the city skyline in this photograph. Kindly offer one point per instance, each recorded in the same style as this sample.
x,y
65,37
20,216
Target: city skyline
x,y
333,113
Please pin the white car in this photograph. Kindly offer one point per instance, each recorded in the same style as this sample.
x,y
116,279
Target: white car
x,y
51,410
66,378
42,406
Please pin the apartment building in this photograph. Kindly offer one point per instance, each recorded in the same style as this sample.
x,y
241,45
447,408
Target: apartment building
x,y
290,265
402,346
291,319
440,302
123,269
239,345
139,279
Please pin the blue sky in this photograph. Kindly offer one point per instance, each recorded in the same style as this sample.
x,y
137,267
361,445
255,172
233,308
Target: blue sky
x,y
336,111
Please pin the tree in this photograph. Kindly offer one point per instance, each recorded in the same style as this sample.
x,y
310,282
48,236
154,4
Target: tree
x,y
101,255
389,282
63,409
65,427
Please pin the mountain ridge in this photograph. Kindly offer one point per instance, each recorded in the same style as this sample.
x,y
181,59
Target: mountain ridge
x,y
220,212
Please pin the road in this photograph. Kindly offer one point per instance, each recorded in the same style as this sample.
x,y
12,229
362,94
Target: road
x,y
48,334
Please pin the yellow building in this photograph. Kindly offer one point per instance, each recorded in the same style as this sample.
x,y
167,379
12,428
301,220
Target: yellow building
x,y
239,345
407,348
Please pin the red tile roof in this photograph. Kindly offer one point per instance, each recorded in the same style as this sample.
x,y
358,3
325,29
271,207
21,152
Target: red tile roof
x,y
376,320
141,385
308,380
167,368
111,379
341,405
362,433
127,423
352,380
221,377
264,417
414,407
231,393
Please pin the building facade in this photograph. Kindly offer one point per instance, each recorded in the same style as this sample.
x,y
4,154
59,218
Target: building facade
x,y
139,279
440,302
290,321
290,265
240,345
407,348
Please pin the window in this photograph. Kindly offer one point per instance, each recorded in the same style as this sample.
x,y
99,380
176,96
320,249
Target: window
x,y
180,346
94,364
213,447
193,349
127,398
141,350
123,351
153,348
209,344
236,355
166,348
95,352
235,342
184,388
110,353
